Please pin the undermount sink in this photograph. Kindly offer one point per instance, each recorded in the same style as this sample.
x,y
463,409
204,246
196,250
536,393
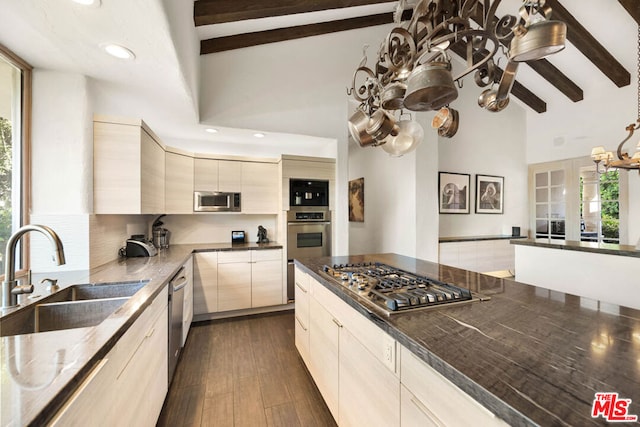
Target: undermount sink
x,y
77,306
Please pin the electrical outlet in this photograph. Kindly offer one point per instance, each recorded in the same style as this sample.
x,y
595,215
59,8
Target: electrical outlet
x,y
389,354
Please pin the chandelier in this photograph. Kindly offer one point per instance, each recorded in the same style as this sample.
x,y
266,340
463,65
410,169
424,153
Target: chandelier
x,y
413,70
624,161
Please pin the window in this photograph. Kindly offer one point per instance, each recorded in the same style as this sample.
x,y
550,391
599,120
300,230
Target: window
x,y
599,206
15,100
570,201
550,204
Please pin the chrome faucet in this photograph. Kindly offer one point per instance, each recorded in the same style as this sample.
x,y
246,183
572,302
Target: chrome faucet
x,y
10,288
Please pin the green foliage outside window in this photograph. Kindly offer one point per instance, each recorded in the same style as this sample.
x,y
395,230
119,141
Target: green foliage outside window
x,y
610,207
6,156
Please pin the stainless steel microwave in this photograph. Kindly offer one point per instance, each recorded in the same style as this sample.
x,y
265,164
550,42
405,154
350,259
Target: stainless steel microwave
x,y
216,201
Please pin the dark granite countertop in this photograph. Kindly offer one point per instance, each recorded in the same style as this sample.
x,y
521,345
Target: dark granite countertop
x,y
478,238
40,371
530,355
572,245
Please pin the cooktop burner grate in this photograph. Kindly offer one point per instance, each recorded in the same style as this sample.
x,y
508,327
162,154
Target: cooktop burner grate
x,y
395,290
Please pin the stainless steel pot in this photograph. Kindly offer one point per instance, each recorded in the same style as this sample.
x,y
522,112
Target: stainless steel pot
x,y
430,86
381,125
358,128
392,97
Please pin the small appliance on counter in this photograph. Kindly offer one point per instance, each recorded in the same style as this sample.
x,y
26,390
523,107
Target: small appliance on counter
x,y
237,237
138,246
160,236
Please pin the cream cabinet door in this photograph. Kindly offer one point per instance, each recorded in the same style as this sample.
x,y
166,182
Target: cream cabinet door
x,y
152,175
230,176
324,334
205,175
205,283
92,403
362,374
234,280
302,297
260,187
187,309
178,184
266,277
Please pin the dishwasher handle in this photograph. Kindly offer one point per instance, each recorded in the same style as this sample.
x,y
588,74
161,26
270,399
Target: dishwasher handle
x,y
178,281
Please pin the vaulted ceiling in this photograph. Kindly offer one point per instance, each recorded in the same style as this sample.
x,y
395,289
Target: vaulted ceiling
x,y
225,25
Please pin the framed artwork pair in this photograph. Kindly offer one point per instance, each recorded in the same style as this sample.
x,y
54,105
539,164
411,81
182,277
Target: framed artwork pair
x,y
455,198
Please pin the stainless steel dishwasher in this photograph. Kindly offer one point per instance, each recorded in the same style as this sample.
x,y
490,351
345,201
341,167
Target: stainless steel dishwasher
x,y
176,301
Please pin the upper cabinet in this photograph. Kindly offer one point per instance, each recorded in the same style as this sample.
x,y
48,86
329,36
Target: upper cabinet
x,y
217,175
178,185
259,187
128,167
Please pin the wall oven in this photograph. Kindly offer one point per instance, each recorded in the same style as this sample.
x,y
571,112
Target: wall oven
x,y
308,235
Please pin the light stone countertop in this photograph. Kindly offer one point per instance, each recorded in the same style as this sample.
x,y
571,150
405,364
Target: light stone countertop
x,y
38,372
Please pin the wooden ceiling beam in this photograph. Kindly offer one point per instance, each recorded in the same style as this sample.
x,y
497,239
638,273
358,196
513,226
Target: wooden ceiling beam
x,y
590,47
633,8
207,12
221,44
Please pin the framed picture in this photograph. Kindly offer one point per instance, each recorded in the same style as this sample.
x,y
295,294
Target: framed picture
x,y
454,192
489,194
356,200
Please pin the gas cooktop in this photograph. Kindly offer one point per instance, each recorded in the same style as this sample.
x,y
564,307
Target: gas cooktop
x,y
394,290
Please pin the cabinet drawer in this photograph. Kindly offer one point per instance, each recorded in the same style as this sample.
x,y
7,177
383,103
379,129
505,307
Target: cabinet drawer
x,y
302,340
128,344
233,256
445,402
266,255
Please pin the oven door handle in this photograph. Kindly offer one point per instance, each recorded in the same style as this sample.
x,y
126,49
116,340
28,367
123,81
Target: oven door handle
x,y
309,223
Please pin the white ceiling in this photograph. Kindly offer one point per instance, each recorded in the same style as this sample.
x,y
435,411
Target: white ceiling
x,y
63,36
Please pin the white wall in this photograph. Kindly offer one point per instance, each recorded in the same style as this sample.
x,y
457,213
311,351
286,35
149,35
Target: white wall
x,y
62,144
216,228
489,144
389,202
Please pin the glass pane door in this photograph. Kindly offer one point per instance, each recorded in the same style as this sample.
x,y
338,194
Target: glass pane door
x,y
550,204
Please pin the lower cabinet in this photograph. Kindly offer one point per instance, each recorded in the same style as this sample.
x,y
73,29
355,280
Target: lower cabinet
x,y
365,376
266,277
323,351
205,282
427,395
129,385
236,280
355,376
302,314
187,308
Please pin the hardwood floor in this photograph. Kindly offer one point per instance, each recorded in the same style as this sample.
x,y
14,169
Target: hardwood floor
x,y
243,372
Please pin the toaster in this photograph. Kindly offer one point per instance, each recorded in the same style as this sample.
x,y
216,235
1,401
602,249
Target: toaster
x,y
138,248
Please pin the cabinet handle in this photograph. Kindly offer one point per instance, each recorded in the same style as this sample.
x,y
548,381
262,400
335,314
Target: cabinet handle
x,y
336,322
150,333
301,288
427,413
301,325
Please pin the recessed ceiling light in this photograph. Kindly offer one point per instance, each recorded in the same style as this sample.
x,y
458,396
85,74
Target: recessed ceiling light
x,y
211,130
118,51
91,3
259,135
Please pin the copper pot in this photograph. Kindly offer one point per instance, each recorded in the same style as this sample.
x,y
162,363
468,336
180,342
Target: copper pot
x,y
358,128
430,86
446,121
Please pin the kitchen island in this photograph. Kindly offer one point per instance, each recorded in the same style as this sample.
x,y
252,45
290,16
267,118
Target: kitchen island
x,y
529,355
41,371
